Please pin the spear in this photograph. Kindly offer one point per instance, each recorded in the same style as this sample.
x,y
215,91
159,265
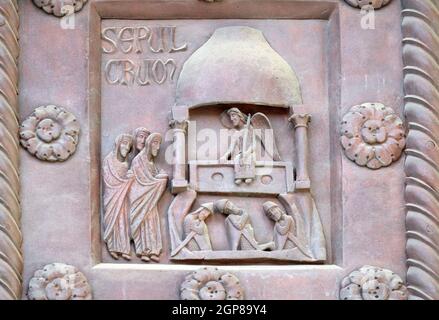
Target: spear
x,y
247,128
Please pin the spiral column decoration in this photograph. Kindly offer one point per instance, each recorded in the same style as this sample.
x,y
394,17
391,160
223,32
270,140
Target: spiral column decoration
x,y
11,260
420,28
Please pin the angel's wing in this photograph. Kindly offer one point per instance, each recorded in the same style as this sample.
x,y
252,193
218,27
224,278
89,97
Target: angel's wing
x,y
261,122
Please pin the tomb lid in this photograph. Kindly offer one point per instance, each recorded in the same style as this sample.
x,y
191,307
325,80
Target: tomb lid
x,y
237,65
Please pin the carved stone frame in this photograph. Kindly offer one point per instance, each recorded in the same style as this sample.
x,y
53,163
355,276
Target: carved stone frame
x,y
102,9
11,260
420,28
420,47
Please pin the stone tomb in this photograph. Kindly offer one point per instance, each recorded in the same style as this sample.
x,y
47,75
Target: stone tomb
x,y
229,149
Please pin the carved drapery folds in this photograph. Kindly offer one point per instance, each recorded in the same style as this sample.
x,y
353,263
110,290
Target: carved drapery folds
x,y
50,133
373,283
250,164
376,4
60,8
131,195
59,281
421,77
11,261
372,135
211,284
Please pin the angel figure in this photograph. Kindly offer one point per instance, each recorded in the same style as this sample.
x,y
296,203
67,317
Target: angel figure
x,y
245,139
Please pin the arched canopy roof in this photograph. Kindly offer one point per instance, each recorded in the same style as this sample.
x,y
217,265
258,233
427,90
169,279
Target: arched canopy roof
x,y
237,65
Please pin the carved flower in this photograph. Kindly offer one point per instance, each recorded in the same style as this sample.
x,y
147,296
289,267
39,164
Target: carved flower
x,y
50,133
372,135
59,281
373,283
376,4
211,284
60,8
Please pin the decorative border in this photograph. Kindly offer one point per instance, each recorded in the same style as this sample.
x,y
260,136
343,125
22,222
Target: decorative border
x,y
11,260
420,28
421,76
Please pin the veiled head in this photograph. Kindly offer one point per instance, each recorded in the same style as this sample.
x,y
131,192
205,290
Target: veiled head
x,y
124,144
152,144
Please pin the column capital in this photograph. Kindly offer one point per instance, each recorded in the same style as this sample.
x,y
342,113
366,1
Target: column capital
x,y
179,124
300,120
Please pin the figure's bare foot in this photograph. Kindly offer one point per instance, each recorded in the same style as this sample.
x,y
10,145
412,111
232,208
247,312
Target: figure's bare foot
x,y
248,181
115,255
145,258
155,258
238,181
126,256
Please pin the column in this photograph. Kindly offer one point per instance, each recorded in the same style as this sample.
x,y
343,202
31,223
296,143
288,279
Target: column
x,y
179,181
300,122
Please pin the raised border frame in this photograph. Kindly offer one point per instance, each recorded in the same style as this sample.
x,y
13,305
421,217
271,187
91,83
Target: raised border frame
x,y
421,76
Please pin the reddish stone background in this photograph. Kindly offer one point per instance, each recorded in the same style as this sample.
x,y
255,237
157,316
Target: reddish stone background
x,y
362,211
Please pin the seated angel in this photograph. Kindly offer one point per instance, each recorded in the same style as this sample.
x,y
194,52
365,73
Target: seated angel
x,y
249,134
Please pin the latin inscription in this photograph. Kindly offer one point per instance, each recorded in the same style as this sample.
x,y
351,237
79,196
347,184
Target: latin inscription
x,y
154,47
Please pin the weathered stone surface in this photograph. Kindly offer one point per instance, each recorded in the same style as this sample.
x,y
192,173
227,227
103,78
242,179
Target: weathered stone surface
x,y
59,281
11,259
50,133
316,198
376,4
372,135
211,284
231,53
132,190
60,8
373,283
420,40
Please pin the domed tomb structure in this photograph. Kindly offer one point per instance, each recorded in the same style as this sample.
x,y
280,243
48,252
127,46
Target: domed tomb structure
x,y
237,65
238,71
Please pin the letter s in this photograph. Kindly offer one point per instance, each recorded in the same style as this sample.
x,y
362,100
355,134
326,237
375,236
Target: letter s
x,y
105,37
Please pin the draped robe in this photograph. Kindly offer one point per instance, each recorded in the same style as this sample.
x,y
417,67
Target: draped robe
x,y
244,165
197,230
285,236
145,193
240,232
116,207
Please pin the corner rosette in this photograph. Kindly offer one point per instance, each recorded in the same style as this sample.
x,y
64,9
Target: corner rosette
x,y
50,133
211,284
60,8
59,281
373,283
372,135
376,4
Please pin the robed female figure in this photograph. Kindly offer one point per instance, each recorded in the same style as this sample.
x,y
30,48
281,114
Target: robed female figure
x,y
116,185
146,190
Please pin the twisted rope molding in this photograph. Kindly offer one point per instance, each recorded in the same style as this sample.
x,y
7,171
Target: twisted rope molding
x,y
420,28
11,260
